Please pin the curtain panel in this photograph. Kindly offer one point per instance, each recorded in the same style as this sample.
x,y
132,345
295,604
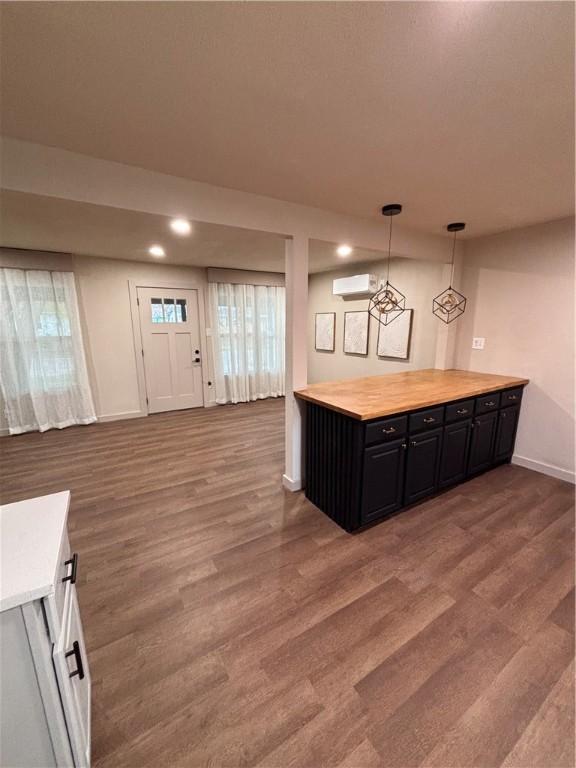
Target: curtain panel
x,y
248,332
43,374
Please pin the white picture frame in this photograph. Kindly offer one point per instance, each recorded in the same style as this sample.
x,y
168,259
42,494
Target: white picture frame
x,y
324,331
394,339
356,330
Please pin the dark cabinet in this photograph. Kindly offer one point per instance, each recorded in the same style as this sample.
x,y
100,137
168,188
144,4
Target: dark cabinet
x,y
359,472
383,479
422,465
506,433
482,442
454,458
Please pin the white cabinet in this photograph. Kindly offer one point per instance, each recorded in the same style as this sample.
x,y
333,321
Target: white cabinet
x,y
74,680
45,700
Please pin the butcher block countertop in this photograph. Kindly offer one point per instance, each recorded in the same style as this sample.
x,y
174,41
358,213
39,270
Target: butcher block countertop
x,y
375,396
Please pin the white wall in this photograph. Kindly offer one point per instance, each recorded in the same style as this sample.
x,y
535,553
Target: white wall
x,y
104,298
520,287
419,281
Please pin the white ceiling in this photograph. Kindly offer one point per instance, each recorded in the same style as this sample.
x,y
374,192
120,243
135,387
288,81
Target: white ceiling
x,y
43,223
458,110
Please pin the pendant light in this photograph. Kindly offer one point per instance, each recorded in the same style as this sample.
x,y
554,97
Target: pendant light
x,y
388,302
450,304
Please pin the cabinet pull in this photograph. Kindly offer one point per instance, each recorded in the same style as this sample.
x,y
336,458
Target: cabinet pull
x,y
74,563
78,656
490,403
512,397
462,411
503,414
389,431
404,445
413,443
429,420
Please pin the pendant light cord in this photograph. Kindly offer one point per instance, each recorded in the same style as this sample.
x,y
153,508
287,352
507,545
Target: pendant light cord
x,y
389,247
453,251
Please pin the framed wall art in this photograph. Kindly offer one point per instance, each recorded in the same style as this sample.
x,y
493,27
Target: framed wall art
x,y
394,339
325,329
356,325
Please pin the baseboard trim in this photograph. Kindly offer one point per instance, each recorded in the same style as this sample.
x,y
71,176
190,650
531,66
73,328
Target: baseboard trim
x,y
291,485
121,416
545,469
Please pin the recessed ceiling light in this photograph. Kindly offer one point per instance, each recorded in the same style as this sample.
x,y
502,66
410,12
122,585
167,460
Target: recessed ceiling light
x,y
180,226
344,250
157,250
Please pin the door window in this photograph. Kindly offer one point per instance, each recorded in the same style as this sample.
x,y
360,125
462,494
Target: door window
x,y
168,310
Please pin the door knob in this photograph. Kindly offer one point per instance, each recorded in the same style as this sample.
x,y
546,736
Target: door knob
x,y
196,359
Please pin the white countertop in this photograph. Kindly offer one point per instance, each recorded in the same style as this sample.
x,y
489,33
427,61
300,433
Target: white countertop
x,y
30,536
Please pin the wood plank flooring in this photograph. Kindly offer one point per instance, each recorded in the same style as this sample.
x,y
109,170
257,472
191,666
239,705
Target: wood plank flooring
x,y
230,623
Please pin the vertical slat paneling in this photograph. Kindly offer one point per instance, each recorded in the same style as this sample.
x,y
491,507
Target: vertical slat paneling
x,y
331,448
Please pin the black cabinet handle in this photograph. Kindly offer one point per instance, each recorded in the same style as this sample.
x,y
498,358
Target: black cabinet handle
x,y
389,431
512,397
429,420
413,443
462,411
503,414
404,445
78,656
490,403
74,563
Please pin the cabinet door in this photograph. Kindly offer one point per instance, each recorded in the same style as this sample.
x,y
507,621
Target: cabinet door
x,y
71,665
422,465
482,442
455,446
506,433
383,480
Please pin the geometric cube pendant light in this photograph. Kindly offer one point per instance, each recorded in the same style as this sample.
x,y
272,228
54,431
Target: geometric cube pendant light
x,y
450,304
388,302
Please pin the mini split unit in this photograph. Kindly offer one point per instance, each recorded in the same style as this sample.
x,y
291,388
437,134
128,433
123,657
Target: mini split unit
x,y
358,285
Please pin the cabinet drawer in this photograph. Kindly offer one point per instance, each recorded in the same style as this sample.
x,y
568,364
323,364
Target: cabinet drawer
x,y
488,402
511,397
54,603
386,429
433,417
458,411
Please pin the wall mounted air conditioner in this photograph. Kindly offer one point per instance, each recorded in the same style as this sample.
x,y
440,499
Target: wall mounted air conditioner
x,y
358,285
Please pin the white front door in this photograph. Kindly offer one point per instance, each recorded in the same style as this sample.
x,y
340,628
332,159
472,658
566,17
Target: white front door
x,y
171,347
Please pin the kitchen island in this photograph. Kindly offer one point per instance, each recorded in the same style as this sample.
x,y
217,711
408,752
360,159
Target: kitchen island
x,y
378,444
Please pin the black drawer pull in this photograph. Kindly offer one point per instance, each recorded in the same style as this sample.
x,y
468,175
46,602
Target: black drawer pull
x,y
503,414
389,431
489,403
429,420
462,411
413,443
404,445
79,666
74,563
512,397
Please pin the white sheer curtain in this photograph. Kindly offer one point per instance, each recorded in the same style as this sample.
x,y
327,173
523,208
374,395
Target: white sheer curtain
x,y
43,376
248,329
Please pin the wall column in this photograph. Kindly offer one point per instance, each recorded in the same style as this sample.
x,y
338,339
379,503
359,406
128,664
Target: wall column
x,y
296,356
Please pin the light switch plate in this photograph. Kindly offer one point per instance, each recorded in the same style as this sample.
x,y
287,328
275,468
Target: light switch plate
x,y
478,342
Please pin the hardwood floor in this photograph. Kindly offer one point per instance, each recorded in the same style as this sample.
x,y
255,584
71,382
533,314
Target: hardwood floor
x,y
230,623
